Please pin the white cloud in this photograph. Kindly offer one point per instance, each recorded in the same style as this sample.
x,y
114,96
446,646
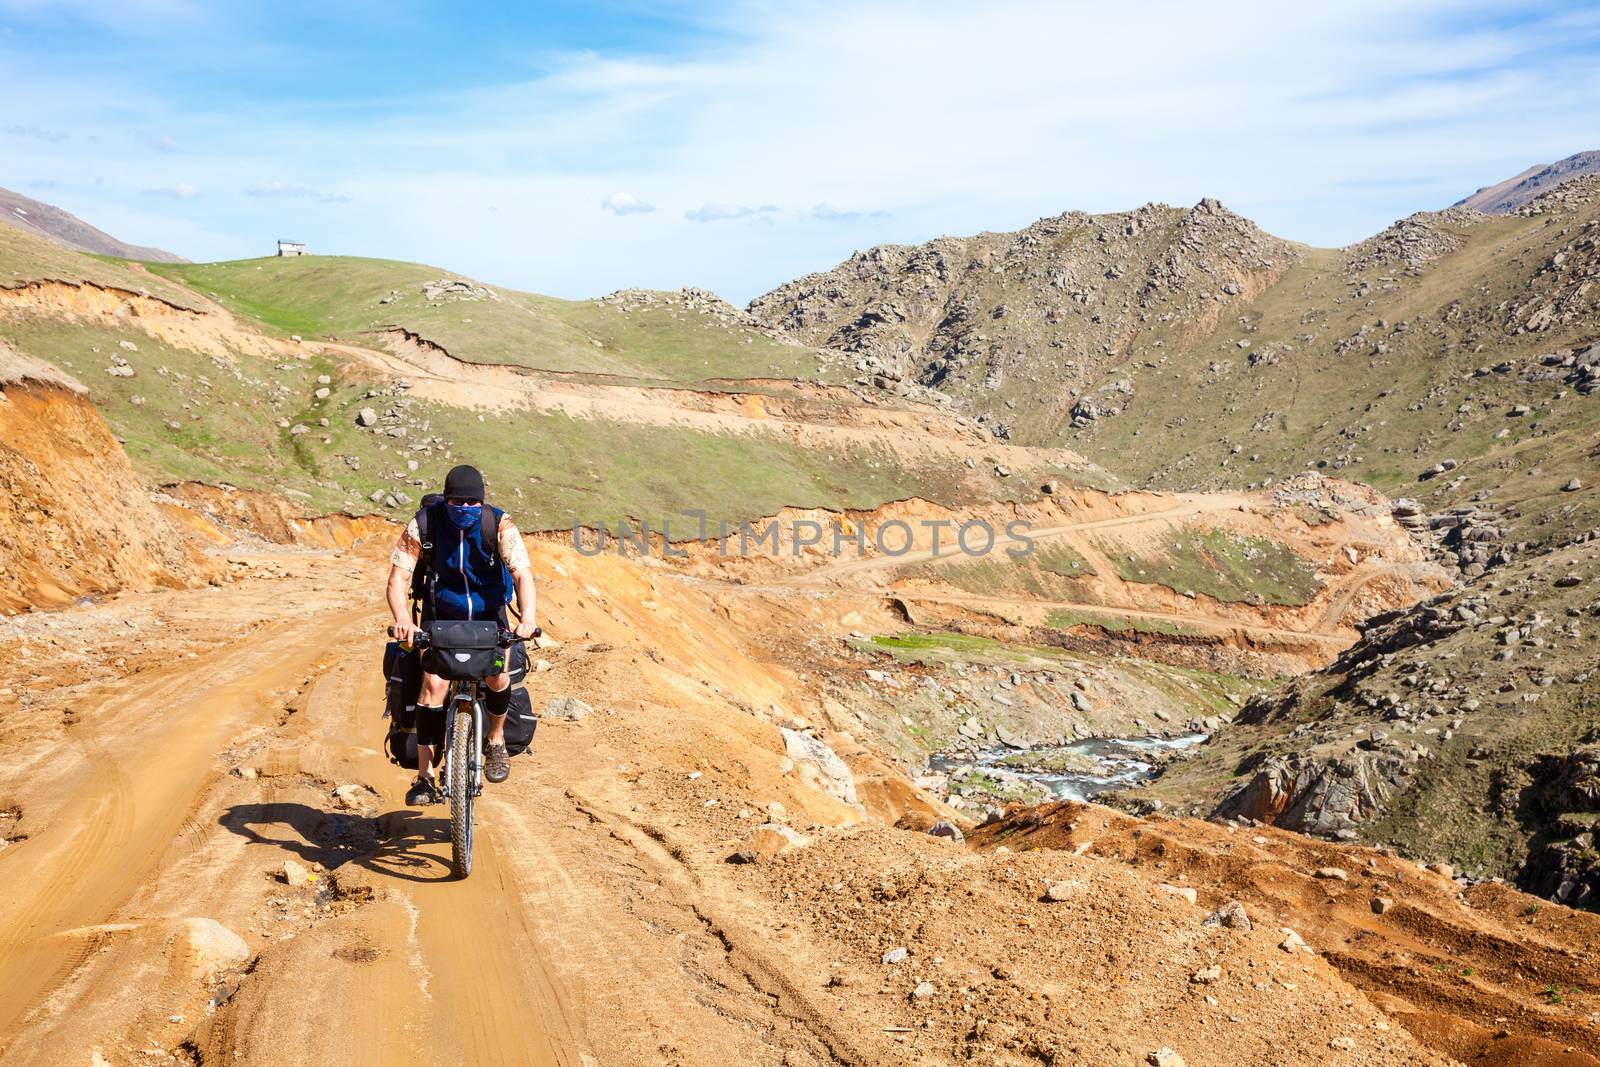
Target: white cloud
x,y
829,213
37,133
718,212
626,204
166,144
180,191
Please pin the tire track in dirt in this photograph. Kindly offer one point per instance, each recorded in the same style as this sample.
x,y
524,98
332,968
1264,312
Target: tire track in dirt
x,y
105,836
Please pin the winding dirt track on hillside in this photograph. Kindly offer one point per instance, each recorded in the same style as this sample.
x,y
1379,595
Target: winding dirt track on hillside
x,y
909,433
1327,633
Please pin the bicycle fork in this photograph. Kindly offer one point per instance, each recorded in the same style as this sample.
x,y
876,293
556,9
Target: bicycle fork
x,y
474,757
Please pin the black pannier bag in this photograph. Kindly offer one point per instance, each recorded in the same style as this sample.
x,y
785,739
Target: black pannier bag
x,y
402,671
463,650
521,722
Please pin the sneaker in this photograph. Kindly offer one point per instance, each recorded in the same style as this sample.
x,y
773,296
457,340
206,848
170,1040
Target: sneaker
x,y
497,765
422,793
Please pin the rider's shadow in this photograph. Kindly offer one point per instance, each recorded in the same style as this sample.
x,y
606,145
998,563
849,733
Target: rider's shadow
x,y
389,845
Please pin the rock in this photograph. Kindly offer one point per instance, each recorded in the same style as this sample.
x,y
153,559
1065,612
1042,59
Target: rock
x,y
1442,869
121,370
127,346
1231,915
366,417
542,665
1380,905
766,842
1060,891
211,947
570,708
1165,1057
1050,488
1186,892
894,955
1344,1044
323,393
1081,702
1206,975
923,991
1567,581
1572,486
946,829
1293,942
819,766
1338,874
351,796
294,874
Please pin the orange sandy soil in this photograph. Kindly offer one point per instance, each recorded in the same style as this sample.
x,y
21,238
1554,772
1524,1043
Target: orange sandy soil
x,y
168,751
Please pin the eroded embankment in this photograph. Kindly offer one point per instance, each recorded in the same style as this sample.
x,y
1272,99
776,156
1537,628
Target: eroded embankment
x,y
809,418
74,519
210,330
224,514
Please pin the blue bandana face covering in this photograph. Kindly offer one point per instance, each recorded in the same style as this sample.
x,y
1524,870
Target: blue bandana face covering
x,y
464,516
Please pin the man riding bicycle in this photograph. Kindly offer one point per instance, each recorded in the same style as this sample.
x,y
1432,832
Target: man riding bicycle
x,y
471,575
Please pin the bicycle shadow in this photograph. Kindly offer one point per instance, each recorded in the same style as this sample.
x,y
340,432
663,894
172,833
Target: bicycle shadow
x,y
392,844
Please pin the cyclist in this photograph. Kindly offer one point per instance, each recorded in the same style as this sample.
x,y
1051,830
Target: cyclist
x,y
469,579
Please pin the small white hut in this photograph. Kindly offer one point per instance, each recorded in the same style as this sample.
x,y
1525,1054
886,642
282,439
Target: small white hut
x,y
291,248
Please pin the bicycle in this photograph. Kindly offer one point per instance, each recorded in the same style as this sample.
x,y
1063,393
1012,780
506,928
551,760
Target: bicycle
x,y
462,760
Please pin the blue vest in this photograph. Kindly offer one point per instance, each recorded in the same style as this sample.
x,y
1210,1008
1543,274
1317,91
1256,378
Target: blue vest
x,y
469,583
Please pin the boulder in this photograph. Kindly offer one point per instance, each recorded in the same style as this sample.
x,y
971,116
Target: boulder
x,y
1231,915
569,708
819,766
209,948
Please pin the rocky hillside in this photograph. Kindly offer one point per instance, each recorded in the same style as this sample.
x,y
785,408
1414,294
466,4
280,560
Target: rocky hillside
x,y
66,229
1505,197
1451,360
1461,368
1017,326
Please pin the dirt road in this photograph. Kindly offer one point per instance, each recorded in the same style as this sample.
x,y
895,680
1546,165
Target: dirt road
x,y
178,793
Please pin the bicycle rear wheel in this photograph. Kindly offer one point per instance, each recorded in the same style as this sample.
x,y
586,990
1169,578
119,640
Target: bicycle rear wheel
x,y
461,790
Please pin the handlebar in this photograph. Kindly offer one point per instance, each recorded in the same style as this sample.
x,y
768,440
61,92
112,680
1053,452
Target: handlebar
x,y
507,637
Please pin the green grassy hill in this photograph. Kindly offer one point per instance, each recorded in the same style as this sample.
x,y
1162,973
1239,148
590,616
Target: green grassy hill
x,y
200,401
668,340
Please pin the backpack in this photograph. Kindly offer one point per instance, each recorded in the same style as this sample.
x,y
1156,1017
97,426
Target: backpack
x,y
428,516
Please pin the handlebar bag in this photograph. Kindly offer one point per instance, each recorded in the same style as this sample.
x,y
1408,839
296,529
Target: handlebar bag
x,y
465,650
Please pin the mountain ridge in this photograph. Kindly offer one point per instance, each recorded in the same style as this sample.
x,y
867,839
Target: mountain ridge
x,y
66,229
1506,196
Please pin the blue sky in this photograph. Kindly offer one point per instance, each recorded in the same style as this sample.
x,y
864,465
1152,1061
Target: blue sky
x,y
579,148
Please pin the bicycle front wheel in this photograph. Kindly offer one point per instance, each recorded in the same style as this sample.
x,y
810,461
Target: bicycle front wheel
x,y
461,790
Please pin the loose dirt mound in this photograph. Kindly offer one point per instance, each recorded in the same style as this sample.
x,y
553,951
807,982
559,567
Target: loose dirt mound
x,y
1486,974
73,518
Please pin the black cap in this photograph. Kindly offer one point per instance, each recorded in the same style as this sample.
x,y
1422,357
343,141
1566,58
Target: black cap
x,y
463,483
